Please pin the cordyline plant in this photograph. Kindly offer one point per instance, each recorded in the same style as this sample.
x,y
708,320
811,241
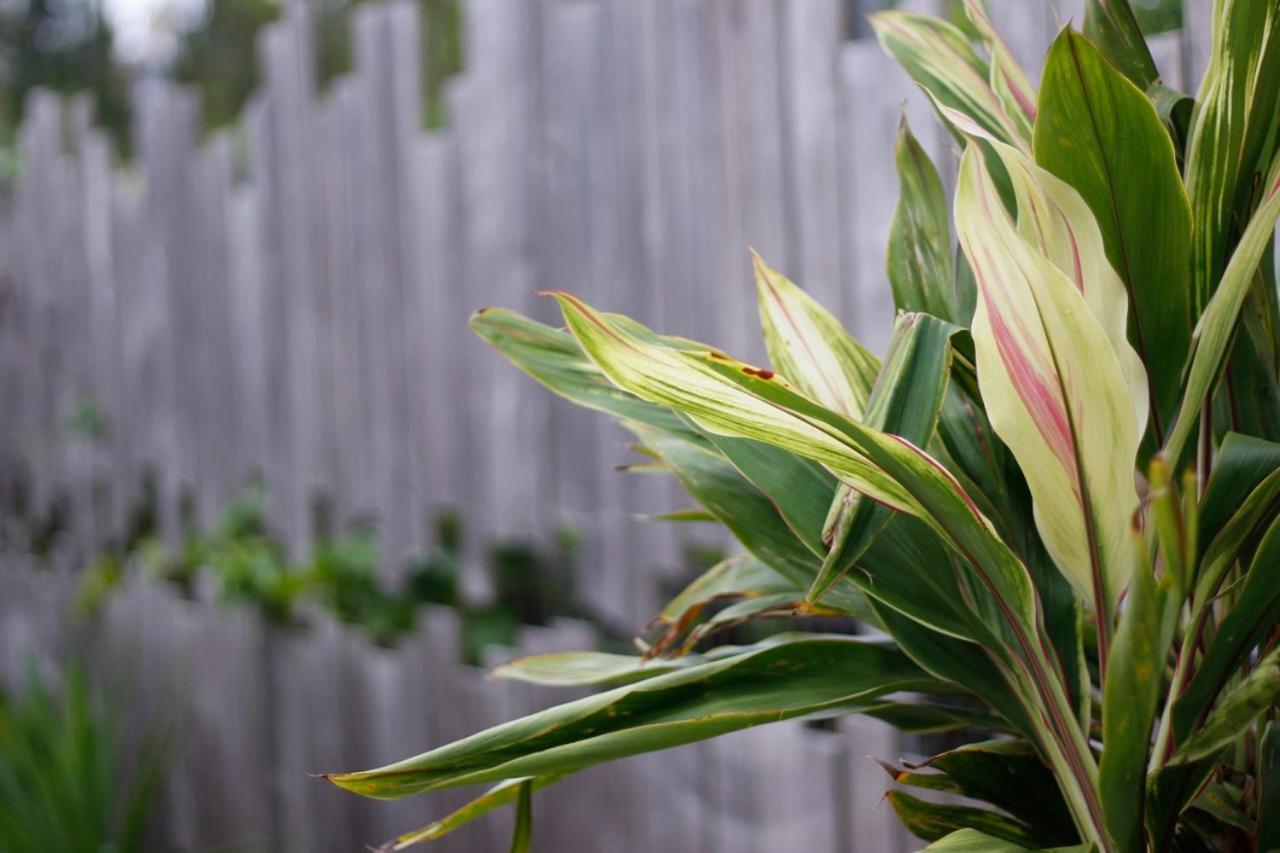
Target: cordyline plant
x,y
1056,499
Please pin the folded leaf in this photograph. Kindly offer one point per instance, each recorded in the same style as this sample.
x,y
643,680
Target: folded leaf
x,y
1051,375
1267,831
919,255
522,832
1100,134
807,675
1009,775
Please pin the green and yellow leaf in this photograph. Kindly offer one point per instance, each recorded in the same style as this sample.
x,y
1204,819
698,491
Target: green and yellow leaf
x,y
1060,387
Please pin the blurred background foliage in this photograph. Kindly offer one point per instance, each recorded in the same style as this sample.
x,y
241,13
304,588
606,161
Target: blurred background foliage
x,y
72,46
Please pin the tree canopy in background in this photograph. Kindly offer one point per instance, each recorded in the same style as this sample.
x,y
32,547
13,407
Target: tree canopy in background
x,y
68,46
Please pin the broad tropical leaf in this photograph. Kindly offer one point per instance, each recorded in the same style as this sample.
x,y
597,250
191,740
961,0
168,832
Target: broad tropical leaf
x,y
1100,134
1057,393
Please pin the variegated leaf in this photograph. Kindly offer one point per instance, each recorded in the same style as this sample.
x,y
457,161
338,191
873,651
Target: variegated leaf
x,y
1008,80
941,61
1051,374
809,347
1055,220
1232,132
1212,339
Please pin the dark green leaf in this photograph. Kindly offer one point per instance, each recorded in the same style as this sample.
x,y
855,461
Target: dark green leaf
x,y
919,255
905,402
522,832
1268,826
1099,133
932,821
1135,675
1009,775
807,675
1112,26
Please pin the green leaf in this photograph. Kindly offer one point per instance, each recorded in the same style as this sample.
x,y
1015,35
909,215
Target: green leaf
x,y
584,669
553,358
1010,775
522,832
1236,710
809,347
939,58
1267,833
503,794
807,675
919,255
1256,610
923,717
800,489
905,402
973,841
963,664
1243,462
1101,134
732,398
1131,695
748,513
1112,26
734,577
1214,331
1232,134
932,821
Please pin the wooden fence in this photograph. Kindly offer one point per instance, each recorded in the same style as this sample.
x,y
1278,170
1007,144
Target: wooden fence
x,y
290,297
255,709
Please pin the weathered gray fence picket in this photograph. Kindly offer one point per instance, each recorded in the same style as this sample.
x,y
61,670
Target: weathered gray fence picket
x,y
290,297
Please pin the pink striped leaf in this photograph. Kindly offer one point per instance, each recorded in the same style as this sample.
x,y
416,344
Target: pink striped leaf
x,y
1063,388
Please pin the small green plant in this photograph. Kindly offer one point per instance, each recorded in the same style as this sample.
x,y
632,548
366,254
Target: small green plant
x,y
68,780
248,565
1058,494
